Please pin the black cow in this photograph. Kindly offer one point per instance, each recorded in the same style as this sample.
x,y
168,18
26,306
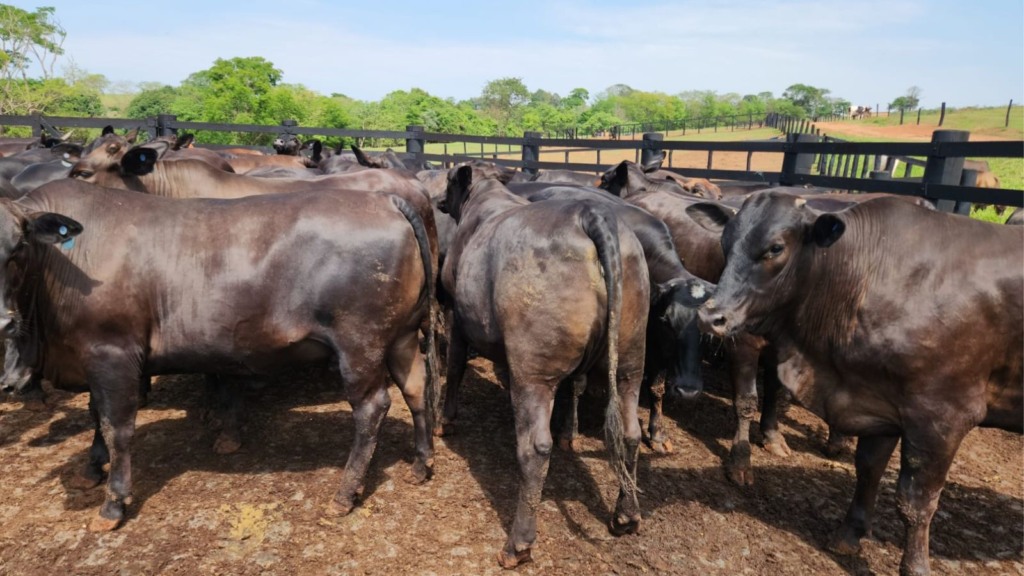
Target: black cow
x,y
673,340
883,334
244,287
548,291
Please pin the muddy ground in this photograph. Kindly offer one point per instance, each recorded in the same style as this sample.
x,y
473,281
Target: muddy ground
x,y
260,510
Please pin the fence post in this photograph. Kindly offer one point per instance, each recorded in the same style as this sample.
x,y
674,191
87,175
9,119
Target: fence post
x,y
794,163
163,125
650,149
1008,107
942,114
943,170
531,151
967,178
902,109
416,144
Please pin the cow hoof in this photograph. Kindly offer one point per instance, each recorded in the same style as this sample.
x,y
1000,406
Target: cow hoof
x,y
844,542
777,447
662,447
226,445
738,466
101,524
418,473
509,561
336,508
620,525
568,444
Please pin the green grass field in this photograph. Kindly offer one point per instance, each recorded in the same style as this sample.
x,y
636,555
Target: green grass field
x,y
987,121
116,104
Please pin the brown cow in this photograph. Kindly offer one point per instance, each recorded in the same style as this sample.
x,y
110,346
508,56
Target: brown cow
x,y
883,336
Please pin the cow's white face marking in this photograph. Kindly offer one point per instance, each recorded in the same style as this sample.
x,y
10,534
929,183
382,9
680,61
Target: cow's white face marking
x,y
800,202
697,291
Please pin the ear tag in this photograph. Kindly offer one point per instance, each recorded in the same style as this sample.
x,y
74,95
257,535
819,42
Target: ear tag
x,y
63,230
66,164
142,157
68,244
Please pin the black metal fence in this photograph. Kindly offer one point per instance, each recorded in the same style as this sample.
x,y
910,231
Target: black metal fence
x,y
944,179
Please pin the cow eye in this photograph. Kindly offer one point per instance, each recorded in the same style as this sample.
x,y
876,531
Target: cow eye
x,y
773,251
83,174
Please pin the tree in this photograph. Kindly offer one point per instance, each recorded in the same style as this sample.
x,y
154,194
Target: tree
x,y
152,102
29,41
813,101
909,101
503,99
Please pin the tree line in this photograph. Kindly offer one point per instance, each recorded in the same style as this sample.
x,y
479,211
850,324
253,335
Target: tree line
x,y
251,90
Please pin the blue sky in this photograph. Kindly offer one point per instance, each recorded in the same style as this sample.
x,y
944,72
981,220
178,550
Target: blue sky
x,y
867,51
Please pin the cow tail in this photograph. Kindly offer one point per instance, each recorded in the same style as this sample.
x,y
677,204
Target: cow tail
x,y
602,228
432,391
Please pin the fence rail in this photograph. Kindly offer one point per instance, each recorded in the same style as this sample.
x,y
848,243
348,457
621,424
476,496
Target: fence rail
x,y
945,180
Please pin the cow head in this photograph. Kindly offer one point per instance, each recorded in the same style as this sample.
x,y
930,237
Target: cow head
x,y
462,177
623,180
763,245
20,229
287,145
110,169
674,334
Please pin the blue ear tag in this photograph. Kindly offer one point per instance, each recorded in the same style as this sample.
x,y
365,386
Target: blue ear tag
x,y
142,157
68,244
63,230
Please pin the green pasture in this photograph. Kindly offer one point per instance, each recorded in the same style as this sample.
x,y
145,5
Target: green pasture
x,y
986,121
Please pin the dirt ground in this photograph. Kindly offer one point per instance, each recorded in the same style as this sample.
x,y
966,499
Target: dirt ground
x,y
260,510
907,132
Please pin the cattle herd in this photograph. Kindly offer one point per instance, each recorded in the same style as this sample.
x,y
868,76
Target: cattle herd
x,y
123,261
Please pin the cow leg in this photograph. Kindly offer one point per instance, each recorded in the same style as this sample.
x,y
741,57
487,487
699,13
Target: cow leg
x,y
571,423
32,395
113,382
91,474
370,403
532,405
744,381
225,397
774,442
626,519
871,458
408,368
457,357
924,463
659,442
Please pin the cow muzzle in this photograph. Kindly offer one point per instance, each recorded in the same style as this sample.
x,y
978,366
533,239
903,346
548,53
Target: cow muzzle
x,y
715,321
685,388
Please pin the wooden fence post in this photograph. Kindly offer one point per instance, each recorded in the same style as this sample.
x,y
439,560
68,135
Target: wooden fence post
x,y
902,110
531,151
1008,107
918,116
967,178
650,149
416,144
942,114
794,163
164,125
942,169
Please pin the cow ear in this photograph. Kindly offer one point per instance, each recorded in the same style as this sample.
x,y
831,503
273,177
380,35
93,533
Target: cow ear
x,y
184,141
140,160
318,151
361,157
108,129
712,217
132,135
464,177
826,230
654,164
50,228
